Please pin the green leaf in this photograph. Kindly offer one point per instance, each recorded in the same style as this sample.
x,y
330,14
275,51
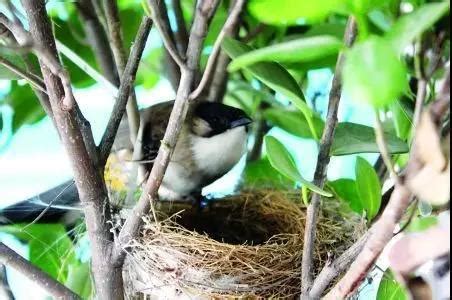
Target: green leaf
x,y
51,249
403,118
6,73
368,187
25,105
374,73
362,7
390,289
271,74
274,76
282,161
261,174
345,190
421,224
79,280
299,50
351,138
291,12
411,26
293,122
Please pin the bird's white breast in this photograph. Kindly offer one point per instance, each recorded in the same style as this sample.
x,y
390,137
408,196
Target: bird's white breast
x,y
219,153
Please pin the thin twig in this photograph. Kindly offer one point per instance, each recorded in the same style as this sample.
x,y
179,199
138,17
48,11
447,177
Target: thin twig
x,y
24,39
211,63
165,31
98,39
34,80
322,164
182,32
382,231
127,82
204,13
383,147
120,55
11,259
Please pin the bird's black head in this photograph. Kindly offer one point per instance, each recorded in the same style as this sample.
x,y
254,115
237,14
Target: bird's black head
x,y
211,118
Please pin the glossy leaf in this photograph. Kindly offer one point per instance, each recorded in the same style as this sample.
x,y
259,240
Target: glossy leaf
x,y
373,73
362,7
261,174
282,161
293,122
51,249
25,105
421,224
411,26
299,50
291,12
351,138
79,280
403,118
368,187
271,74
345,190
390,289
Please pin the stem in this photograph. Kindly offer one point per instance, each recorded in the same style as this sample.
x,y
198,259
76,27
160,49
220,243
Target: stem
x,y
120,55
89,182
10,258
322,165
380,137
127,81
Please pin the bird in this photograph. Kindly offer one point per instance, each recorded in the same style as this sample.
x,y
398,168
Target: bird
x,y
213,138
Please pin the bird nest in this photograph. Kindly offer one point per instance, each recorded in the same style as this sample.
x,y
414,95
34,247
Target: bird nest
x,y
246,246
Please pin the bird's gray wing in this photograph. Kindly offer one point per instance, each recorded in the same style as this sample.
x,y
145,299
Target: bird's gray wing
x,y
58,201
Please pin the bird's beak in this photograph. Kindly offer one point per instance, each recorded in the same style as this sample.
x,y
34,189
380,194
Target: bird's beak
x,y
240,122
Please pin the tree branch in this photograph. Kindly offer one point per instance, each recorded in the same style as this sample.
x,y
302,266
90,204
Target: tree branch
x,y
218,84
229,25
162,23
322,165
48,58
91,187
204,13
182,32
382,231
120,55
10,258
333,269
98,40
32,79
126,86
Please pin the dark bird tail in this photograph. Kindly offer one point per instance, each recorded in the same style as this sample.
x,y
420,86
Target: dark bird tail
x,y
60,204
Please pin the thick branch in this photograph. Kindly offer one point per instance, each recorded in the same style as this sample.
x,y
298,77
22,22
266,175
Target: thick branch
x,y
203,16
126,86
89,182
322,164
120,55
10,258
382,232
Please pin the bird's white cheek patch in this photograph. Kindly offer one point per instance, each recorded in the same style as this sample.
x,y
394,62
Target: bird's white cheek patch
x,y
218,154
